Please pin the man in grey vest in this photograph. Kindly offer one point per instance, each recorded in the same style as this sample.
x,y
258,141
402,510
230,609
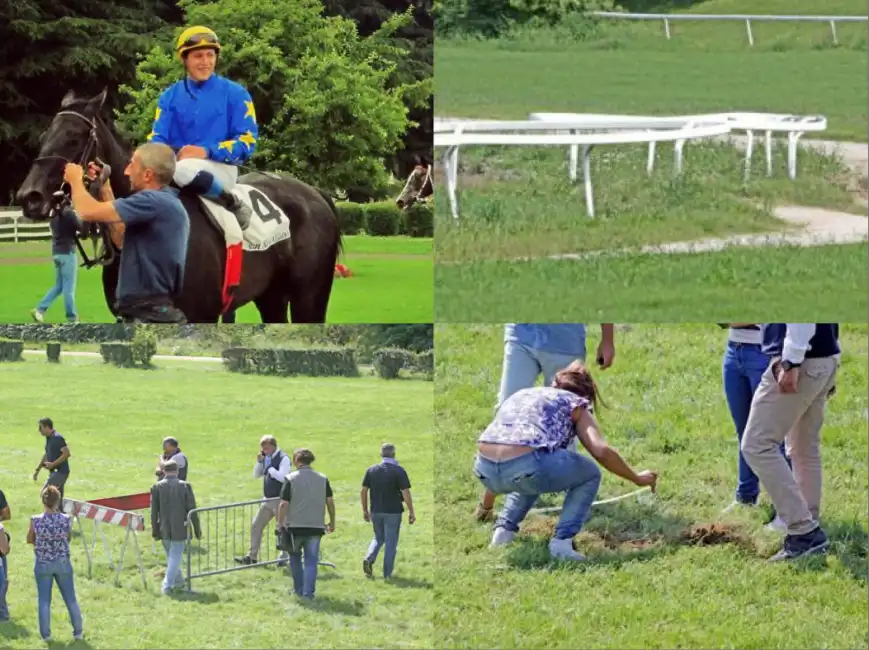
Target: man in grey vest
x,y
390,490
272,466
789,405
305,496
171,501
171,451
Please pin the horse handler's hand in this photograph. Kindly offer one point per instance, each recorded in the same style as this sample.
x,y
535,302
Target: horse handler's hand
x,y
73,172
647,478
192,151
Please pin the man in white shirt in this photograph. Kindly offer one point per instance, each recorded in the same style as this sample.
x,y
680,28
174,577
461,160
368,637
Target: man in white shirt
x,y
273,466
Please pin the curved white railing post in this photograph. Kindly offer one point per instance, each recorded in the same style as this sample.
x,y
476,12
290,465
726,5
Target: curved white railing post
x,y
749,150
667,28
650,159
573,160
748,31
793,138
833,30
768,136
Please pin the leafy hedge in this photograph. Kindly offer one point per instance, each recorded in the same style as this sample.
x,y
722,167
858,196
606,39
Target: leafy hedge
x,y
385,219
52,351
11,350
388,362
120,354
287,362
77,333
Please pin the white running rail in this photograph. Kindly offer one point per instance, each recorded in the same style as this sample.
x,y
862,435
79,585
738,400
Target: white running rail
x,y
16,231
746,18
769,123
456,133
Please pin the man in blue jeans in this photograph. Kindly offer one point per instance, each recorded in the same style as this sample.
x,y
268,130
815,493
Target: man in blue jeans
x,y
305,496
533,349
171,501
64,230
390,489
4,551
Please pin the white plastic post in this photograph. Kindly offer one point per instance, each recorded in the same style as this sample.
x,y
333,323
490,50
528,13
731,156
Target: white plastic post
x,y
667,28
573,161
768,153
586,178
748,31
749,149
833,29
650,161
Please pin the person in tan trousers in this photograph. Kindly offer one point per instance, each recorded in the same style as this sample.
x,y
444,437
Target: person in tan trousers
x,y
272,466
789,406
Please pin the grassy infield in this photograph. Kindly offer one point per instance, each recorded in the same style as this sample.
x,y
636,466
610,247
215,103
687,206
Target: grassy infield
x,y
391,283
114,420
649,582
517,202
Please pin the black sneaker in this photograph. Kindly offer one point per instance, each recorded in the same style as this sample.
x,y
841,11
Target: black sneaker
x,y
366,567
246,560
795,546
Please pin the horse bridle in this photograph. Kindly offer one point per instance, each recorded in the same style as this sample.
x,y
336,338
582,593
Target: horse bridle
x,y
62,199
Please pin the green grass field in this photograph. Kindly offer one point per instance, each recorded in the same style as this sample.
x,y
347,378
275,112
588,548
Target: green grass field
x,y
518,202
391,283
114,420
648,583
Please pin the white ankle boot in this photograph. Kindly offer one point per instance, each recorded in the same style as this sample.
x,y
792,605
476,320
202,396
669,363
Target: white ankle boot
x,y
562,549
502,537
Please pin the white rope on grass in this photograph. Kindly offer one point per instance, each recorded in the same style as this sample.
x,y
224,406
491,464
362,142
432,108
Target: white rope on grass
x,y
596,503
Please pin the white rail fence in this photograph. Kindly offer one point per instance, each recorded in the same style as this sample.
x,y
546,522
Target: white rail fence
x,y
746,18
587,130
18,229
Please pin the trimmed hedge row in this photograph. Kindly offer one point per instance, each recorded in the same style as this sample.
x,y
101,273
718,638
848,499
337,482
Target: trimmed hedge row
x,y
388,362
52,351
385,219
11,350
78,333
287,362
120,354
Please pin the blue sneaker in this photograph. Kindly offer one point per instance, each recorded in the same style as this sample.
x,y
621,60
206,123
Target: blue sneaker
x,y
795,546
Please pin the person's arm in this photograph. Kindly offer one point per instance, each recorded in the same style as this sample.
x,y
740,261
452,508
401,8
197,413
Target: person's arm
x,y
190,504
588,432
283,469
606,349
243,132
31,534
330,506
40,466
259,468
155,513
4,542
5,514
64,454
363,496
796,344
283,506
161,130
411,515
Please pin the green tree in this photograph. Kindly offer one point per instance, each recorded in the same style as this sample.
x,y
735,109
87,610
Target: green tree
x,y
46,43
327,109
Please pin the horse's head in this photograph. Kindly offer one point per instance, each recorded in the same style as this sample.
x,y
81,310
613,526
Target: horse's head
x,y
417,187
71,137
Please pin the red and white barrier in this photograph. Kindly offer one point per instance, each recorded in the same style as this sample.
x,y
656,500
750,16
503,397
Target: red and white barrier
x,y
115,511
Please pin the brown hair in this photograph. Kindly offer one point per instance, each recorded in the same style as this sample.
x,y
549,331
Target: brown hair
x,y
303,456
51,497
268,440
578,380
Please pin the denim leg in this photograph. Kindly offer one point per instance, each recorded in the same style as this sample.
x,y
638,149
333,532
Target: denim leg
x,y
52,294
44,584
312,561
392,528
66,584
379,537
176,560
68,272
516,507
520,370
516,478
738,390
296,570
4,588
579,476
552,362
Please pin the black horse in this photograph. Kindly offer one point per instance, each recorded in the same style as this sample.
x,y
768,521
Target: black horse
x,y
295,274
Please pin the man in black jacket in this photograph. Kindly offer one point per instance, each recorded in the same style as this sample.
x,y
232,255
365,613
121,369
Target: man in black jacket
x,y
789,405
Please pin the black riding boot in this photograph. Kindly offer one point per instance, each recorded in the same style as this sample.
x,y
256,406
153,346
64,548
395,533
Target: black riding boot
x,y
232,203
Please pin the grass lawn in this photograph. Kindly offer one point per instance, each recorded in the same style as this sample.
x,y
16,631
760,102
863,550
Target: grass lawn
x,y
720,286
114,420
518,202
649,582
391,283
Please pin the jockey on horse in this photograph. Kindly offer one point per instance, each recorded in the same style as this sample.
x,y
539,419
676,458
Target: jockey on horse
x,y
209,121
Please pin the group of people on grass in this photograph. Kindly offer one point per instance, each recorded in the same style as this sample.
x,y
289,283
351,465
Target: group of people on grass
x,y
297,497
777,378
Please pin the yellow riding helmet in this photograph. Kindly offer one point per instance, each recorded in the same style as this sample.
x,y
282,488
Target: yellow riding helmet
x,y
197,38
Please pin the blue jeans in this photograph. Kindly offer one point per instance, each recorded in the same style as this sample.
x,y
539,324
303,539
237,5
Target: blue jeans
x,y
386,529
4,587
174,556
526,477
47,573
522,365
65,269
742,369
305,578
